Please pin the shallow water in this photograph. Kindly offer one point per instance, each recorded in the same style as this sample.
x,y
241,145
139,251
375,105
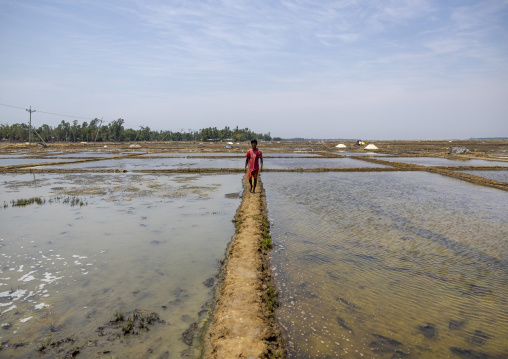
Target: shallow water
x,y
28,161
311,163
286,154
389,265
83,155
501,176
432,161
138,242
368,154
136,163
193,154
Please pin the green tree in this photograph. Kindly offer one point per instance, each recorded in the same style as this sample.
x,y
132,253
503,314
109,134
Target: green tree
x,y
4,131
63,131
116,129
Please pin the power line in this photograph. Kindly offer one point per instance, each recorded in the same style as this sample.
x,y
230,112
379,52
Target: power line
x,y
49,113
3,104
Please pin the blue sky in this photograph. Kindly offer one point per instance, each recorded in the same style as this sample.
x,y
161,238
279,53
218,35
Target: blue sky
x,y
369,69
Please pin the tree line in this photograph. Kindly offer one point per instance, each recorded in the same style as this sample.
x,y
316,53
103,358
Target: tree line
x,y
96,131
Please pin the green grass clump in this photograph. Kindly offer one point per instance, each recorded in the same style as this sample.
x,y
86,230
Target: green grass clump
x,y
135,322
118,317
27,201
45,344
271,299
267,238
71,200
128,325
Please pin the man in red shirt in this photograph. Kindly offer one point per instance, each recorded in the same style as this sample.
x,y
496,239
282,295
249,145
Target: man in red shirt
x,y
253,156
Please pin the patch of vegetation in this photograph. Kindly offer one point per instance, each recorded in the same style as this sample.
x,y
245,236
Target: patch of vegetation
x,y
118,317
128,325
28,201
271,299
46,343
138,320
238,222
51,343
71,200
267,238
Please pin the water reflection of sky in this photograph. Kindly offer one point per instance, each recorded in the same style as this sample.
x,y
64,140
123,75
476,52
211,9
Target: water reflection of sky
x,y
501,176
84,155
431,161
401,264
193,154
290,163
28,161
140,242
130,164
346,153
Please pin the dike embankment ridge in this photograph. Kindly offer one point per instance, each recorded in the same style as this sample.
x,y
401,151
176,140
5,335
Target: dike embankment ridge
x,y
242,323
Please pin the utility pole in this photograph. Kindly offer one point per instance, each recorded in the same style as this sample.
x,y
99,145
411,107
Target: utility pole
x,y
30,127
97,133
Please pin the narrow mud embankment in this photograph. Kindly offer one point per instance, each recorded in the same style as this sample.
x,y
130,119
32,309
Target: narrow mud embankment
x,y
243,325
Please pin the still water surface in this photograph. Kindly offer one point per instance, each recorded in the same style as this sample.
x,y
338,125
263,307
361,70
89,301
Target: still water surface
x,y
137,163
138,242
389,265
434,161
501,176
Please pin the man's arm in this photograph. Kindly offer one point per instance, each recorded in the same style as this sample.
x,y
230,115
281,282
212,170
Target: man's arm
x,y
260,163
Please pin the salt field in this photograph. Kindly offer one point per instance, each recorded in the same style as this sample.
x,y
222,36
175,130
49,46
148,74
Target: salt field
x,y
501,176
429,161
151,243
380,265
372,262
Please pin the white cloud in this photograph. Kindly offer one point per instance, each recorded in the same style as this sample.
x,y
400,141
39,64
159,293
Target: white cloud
x,y
229,59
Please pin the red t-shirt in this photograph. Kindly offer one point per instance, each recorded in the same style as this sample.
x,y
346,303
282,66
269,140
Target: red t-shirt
x,y
254,156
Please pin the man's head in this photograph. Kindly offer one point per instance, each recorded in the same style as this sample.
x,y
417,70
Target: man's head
x,y
254,143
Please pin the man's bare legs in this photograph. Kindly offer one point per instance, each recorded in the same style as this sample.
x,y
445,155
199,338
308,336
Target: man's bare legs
x,y
253,186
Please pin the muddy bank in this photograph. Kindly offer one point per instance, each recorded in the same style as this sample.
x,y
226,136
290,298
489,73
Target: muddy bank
x,y
243,325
